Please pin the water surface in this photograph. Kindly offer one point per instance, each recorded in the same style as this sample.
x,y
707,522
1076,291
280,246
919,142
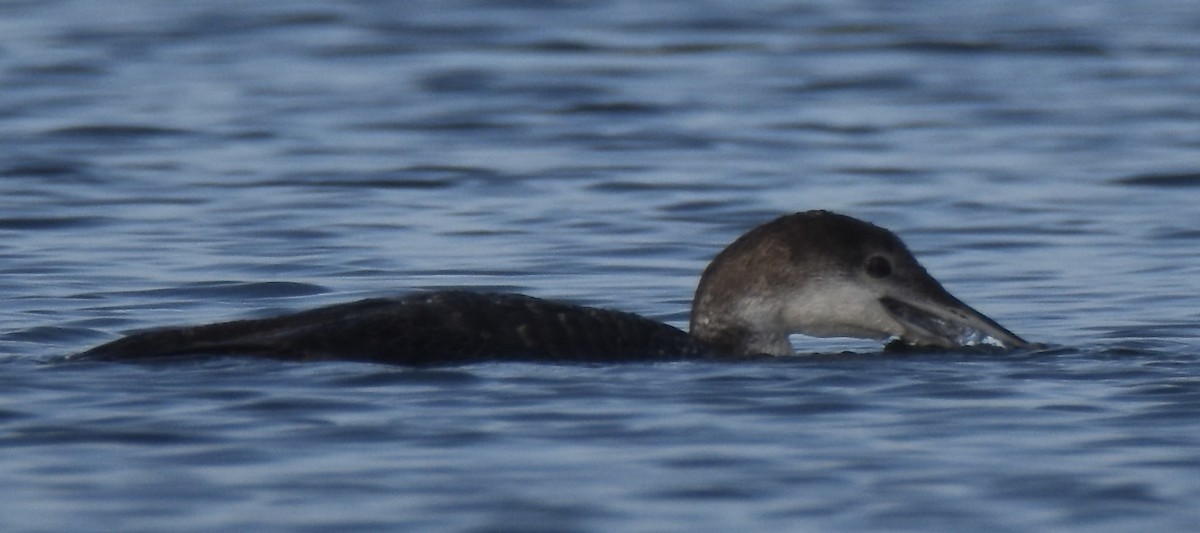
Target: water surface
x,y
166,164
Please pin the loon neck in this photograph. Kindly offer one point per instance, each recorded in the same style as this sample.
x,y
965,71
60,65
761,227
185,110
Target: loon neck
x,y
739,340
739,306
734,324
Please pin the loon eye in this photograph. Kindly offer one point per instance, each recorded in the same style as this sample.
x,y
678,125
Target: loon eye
x,y
878,267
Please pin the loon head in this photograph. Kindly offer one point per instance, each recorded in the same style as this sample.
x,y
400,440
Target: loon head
x,y
822,274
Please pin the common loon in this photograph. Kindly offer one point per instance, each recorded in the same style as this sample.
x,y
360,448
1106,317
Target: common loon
x,y
815,273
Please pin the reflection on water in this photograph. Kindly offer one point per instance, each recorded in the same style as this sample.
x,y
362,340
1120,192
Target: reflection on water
x,y
188,163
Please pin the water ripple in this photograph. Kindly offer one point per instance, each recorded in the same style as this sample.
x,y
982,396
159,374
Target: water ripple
x,y
182,163
1181,180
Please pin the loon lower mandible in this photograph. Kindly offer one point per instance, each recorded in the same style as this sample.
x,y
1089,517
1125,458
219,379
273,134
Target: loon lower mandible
x,y
814,273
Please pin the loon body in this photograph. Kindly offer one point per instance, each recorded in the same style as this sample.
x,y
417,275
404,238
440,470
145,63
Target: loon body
x,y
815,273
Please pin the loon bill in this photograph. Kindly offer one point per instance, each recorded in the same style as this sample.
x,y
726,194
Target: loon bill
x,y
814,273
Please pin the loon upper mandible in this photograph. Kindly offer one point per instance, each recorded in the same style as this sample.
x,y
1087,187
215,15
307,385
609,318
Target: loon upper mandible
x,y
814,273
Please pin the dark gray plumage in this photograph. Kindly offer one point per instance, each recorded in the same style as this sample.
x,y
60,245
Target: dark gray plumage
x,y
444,327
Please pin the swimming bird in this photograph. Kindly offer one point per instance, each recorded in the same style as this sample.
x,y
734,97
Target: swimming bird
x,y
814,273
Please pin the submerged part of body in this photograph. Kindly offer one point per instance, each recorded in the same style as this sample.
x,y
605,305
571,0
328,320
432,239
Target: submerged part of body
x,y
814,273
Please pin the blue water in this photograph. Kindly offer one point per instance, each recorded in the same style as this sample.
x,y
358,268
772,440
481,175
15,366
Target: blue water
x,y
173,163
